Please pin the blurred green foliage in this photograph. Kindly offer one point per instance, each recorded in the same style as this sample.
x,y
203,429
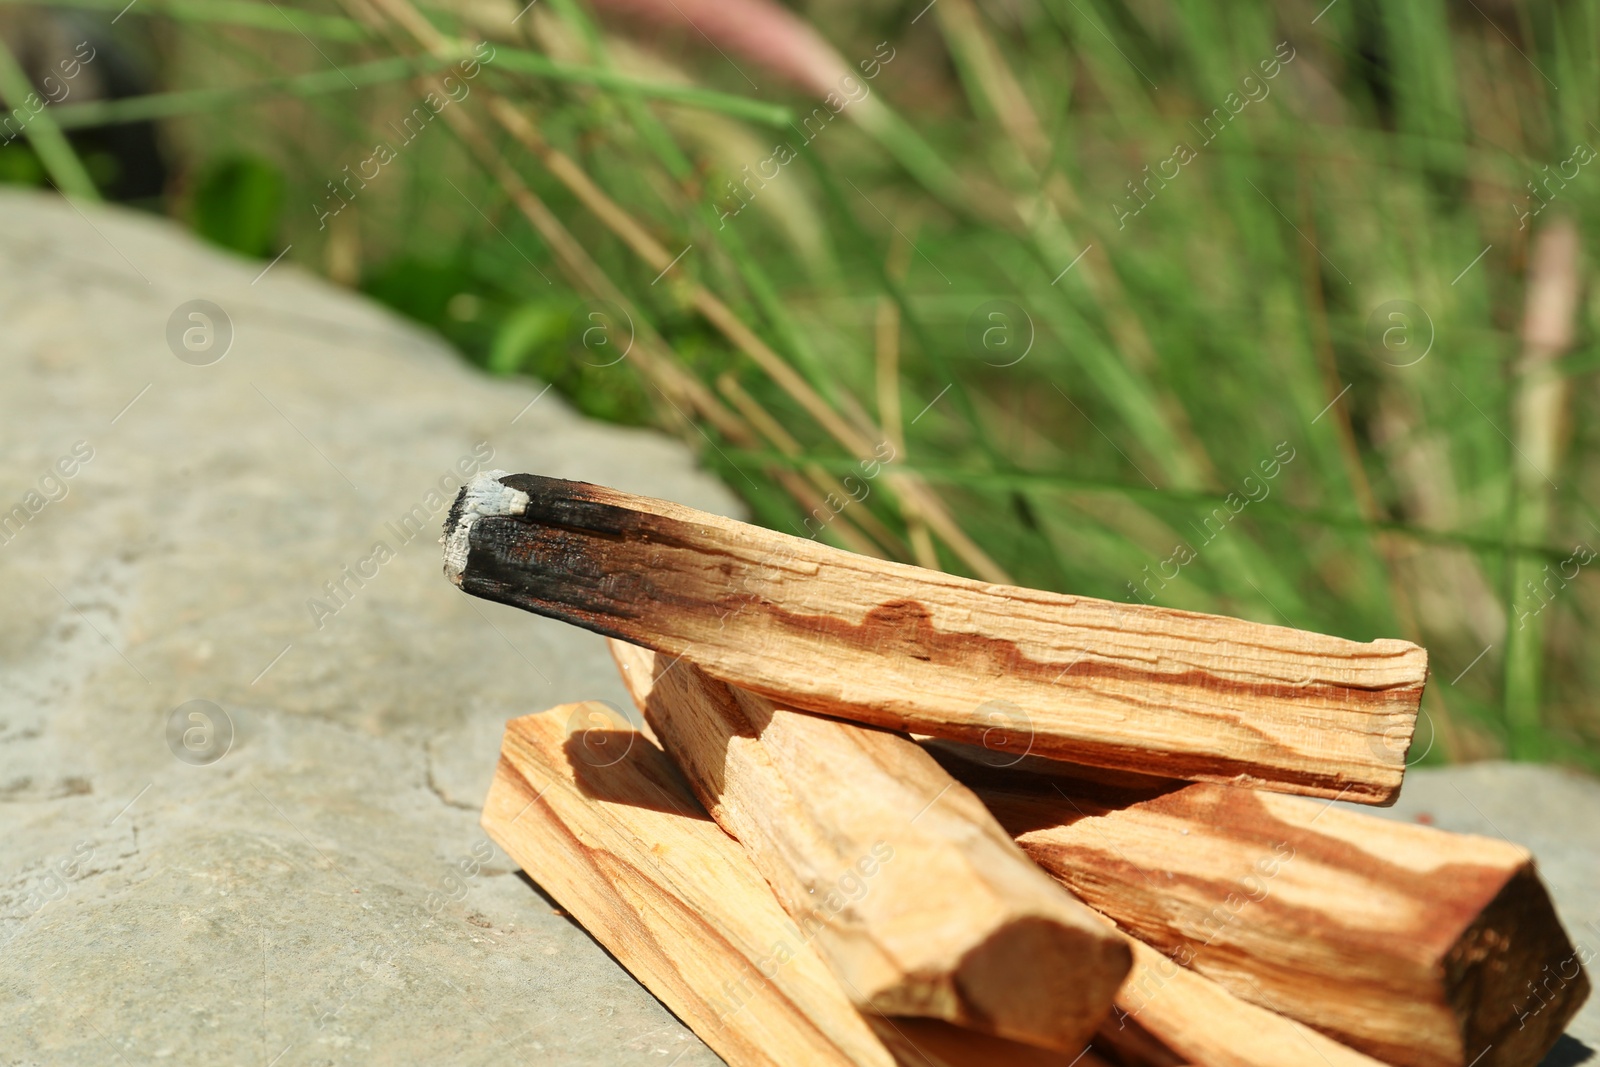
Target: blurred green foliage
x,y
1126,257
20,166
238,204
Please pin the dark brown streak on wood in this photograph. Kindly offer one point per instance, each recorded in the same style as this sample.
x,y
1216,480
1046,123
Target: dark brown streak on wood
x,y
1168,909
570,520
566,576
661,582
922,1042
905,627
900,627
1453,892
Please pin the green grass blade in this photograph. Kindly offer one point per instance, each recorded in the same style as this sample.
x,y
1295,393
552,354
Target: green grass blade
x,y
41,130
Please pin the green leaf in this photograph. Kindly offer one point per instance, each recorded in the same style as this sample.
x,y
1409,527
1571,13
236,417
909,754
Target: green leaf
x,y
237,204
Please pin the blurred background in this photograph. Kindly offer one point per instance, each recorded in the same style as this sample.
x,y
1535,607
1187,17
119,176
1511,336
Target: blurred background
x,y
1278,311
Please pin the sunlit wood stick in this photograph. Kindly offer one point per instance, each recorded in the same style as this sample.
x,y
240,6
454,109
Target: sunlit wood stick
x,y
1419,947
920,902
1130,686
600,819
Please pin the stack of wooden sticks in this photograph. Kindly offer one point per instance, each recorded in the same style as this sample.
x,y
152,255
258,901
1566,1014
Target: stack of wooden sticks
x,y
882,815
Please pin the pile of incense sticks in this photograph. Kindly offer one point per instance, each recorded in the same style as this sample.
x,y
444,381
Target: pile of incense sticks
x,y
885,815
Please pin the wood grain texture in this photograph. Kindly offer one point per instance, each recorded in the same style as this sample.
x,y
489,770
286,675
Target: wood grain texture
x,y
625,850
916,898
1115,685
606,825
1420,947
1167,1015
608,828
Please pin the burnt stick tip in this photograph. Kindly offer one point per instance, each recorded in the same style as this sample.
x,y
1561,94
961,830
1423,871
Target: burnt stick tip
x,y
486,496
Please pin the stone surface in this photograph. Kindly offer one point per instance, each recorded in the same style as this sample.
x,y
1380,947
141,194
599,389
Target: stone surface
x,y
322,893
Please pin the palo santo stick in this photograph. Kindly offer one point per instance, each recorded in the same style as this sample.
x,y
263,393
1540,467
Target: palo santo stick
x,y
917,899
1168,1015
606,826
604,823
802,791
1420,947
1117,685
624,849
933,1041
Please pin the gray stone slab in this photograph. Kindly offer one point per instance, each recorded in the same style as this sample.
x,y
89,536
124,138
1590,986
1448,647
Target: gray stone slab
x,y
321,894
